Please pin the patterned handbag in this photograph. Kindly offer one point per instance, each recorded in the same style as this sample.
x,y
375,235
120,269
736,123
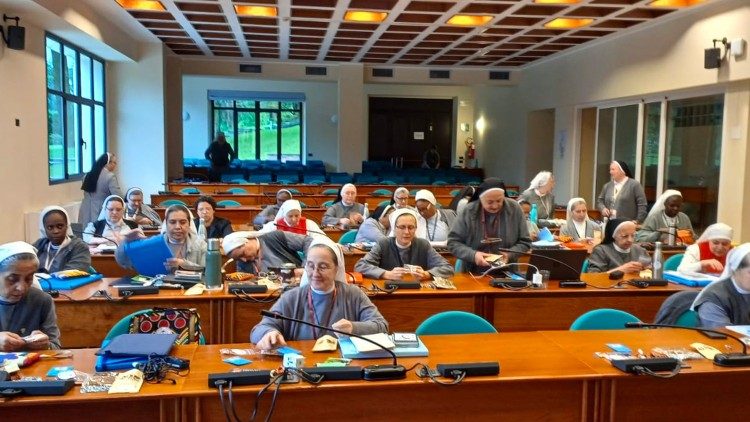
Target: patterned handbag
x,y
182,321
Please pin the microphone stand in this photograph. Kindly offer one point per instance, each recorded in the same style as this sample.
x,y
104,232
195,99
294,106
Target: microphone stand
x,y
721,359
371,372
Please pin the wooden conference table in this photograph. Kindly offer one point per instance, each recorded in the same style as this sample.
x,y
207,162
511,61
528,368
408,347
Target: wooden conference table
x,y
546,375
226,318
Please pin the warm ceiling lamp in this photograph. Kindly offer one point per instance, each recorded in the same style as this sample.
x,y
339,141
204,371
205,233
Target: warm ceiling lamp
x,y
365,16
141,4
675,3
262,11
567,23
469,20
557,1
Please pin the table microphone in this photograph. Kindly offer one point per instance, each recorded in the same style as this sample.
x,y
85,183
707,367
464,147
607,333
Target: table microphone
x,y
721,359
82,232
371,372
539,256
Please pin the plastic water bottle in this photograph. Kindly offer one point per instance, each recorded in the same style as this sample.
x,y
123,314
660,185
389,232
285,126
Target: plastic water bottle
x,y
213,265
533,214
202,229
657,265
366,213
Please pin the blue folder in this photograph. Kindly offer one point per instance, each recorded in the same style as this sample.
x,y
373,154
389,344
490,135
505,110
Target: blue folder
x,y
54,283
148,255
127,350
349,351
687,280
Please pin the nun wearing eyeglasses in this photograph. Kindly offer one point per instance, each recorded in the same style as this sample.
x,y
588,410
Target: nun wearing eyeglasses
x,y
622,197
404,254
27,314
727,300
664,215
618,251
137,211
489,224
324,299
111,226
57,248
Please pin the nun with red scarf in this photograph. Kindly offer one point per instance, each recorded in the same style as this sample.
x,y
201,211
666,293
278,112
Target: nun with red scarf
x,y
289,219
709,253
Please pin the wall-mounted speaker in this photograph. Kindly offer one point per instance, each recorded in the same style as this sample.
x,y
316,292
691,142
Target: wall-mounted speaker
x,y
16,38
712,58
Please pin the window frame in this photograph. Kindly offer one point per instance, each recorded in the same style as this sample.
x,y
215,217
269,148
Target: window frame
x,y
80,101
257,110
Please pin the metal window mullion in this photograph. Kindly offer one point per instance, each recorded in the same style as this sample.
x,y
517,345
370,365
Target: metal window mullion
x,y
257,130
596,158
660,178
278,133
640,124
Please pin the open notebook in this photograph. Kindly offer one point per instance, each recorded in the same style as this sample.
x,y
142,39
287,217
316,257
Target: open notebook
x,y
350,350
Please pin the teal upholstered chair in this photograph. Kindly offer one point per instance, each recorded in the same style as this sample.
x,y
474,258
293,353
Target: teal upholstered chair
x,y
382,192
190,191
585,266
688,318
170,202
459,266
330,191
348,237
603,319
384,202
454,322
228,203
673,262
327,204
237,191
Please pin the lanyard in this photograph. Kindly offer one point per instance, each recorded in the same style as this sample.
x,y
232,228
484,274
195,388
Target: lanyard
x,y
434,226
51,258
315,315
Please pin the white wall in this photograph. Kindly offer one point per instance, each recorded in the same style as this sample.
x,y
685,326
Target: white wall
x,y
136,119
321,135
24,174
651,63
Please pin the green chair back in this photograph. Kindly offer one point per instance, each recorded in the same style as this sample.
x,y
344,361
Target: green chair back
x,y
228,203
189,191
673,262
585,266
382,192
237,191
688,318
454,322
327,204
330,191
603,319
170,202
348,237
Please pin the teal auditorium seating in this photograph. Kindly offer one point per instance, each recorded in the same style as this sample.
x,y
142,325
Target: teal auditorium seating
x,y
170,202
228,203
673,262
190,191
603,319
348,237
454,322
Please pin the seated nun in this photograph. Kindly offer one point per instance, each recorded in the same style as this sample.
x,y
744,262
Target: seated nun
x,y
290,219
137,211
256,252
709,253
664,215
727,301
376,226
111,225
578,225
57,248
618,252
437,222
345,211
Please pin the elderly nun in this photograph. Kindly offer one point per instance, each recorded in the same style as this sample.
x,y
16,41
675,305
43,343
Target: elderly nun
x,y
540,194
709,253
727,300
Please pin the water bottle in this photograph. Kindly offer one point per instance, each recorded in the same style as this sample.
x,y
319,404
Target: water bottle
x,y
366,212
213,265
672,235
202,230
657,267
533,214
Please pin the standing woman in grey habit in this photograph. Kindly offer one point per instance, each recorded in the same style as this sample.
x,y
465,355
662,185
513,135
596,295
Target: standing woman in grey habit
x,y
98,184
622,197
540,193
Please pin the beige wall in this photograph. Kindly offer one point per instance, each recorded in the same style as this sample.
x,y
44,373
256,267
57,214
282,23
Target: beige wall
x,y
652,63
24,172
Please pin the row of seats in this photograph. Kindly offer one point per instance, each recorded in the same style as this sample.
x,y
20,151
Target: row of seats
x,y
460,322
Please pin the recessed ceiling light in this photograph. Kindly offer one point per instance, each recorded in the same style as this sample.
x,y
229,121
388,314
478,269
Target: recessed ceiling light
x,y
469,20
141,4
365,16
557,1
567,23
262,11
675,3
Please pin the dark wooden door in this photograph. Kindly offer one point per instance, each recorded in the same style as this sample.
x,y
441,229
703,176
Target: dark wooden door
x,y
397,124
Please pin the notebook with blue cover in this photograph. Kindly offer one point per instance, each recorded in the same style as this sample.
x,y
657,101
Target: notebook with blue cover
x,y
348,351
148,255
54,283
696,280
139,345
